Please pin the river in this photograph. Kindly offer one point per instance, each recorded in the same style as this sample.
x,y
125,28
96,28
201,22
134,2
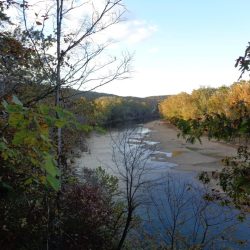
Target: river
x,y
172,205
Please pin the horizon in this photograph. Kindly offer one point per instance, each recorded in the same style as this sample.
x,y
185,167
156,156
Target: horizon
x,y
176,46
162,95
180,46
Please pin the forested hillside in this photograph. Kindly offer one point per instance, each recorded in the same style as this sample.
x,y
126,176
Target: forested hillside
x,y
43,205
222,114
109,110
46,202
223,100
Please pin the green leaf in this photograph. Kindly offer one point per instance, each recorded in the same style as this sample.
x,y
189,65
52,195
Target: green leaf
x,y
84,128
44,109
10,108
3,146
19,137
49,120
45,138
15,119
60,123
60,112
53,182
50,166
31,139
28,181
34,161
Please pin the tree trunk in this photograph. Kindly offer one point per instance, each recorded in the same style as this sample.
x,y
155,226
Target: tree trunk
x,y
126,228
58,80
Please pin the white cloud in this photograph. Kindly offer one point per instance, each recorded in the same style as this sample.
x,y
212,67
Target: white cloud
x,y
169,80
133,31
153,50
129,32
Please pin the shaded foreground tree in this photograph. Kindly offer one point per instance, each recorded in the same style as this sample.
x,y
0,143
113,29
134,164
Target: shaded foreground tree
x,y
36,202
57,52
74,56
88,215
91,216
31,215
130,155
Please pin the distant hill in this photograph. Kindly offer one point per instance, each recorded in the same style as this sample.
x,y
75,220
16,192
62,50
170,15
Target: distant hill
x,y
154,100
91,95
150,101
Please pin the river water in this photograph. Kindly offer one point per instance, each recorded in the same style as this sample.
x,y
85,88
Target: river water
x,y
172,204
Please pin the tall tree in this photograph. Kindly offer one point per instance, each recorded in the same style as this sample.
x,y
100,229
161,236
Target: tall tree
x,y
76,58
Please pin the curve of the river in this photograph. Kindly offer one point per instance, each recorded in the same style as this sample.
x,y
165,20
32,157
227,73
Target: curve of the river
x,y
171,184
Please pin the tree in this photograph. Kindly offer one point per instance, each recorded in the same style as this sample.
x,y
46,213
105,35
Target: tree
x,y
180,106
77,55
35,210
130,167
218,102
74,58
243,62
200,99
221,114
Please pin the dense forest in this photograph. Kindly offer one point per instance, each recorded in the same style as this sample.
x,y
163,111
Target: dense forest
x,y
109,111
44,116
43,203
222,114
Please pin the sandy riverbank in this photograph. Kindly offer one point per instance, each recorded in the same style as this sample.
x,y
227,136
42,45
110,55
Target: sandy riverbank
x,y
190,157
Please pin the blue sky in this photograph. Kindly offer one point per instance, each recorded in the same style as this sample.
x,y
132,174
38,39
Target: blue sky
x,y
180,45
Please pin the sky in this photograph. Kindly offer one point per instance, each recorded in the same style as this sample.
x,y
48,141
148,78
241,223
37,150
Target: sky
x,y
180,45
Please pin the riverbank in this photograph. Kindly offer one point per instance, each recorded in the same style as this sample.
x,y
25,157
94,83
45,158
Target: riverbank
x,y
189,157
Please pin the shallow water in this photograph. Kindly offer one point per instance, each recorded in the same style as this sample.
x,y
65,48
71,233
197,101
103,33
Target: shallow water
x,y
158,172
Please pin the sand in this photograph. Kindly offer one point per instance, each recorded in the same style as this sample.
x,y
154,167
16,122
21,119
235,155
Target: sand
x,y
189,157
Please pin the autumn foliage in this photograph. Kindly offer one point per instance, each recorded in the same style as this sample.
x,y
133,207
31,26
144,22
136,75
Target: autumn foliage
x,y
221,114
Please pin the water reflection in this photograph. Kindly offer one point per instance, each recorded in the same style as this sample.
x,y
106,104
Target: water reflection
x,y
177,215
173,211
